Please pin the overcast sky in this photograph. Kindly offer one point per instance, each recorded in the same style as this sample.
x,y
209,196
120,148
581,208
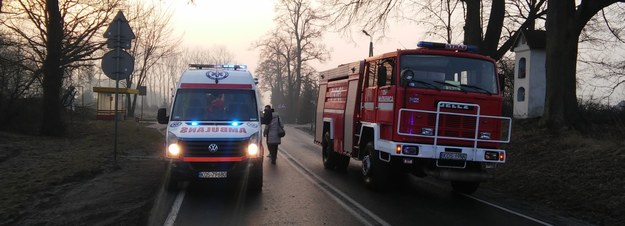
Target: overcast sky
x,y
236,24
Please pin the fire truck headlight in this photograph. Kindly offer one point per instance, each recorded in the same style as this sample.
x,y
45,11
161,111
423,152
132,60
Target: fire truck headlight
x,y
491,155
485,135
427,131
410,150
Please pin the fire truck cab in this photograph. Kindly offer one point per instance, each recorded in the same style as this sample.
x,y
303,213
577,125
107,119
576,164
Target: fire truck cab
x,y
432,111
214,131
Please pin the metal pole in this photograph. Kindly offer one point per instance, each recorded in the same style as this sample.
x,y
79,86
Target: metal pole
x,y
370,43
116,87
142,103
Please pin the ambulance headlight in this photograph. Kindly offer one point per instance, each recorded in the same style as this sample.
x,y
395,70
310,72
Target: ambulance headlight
x,y
173,148
253,150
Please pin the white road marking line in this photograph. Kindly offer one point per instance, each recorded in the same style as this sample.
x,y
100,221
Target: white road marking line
x,y
356,209
468,196
508,210
171,218
495,205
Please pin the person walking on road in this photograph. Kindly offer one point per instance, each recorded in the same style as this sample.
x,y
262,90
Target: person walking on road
x,y
267,115
272,132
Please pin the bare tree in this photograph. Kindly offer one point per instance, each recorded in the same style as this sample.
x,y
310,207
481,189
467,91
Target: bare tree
x,y
217,54
567,19
482,25
166,72
221,55
59,36
154,41
440,16
565,22
302,24
600,60
16,81
274,70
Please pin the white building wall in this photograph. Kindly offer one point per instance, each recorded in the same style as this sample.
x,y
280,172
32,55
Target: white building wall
x,y
537,83
520,109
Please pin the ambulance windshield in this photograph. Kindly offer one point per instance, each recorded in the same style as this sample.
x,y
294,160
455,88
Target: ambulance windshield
x,y
449,73
215,105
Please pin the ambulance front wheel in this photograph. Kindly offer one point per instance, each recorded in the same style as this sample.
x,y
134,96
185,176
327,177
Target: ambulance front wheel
x,y
255,180
374,171
327,152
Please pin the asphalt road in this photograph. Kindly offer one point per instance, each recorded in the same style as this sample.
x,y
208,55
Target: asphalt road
x,y
299,191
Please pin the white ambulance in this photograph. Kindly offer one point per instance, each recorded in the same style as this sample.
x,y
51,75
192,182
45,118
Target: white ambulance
x,y
214,130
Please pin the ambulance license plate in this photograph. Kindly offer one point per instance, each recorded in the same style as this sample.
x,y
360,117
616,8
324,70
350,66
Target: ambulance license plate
x,y
213,174
453,156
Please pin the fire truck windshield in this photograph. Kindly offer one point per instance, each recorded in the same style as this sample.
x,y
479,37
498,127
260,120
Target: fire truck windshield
x,y
448,73
214,105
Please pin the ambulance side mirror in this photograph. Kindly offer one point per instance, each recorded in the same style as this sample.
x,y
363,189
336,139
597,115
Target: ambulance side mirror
x,y
161,116
406,75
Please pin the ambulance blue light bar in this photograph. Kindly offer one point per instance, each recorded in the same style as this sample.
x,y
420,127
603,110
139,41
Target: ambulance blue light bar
x,y
235,67
447,46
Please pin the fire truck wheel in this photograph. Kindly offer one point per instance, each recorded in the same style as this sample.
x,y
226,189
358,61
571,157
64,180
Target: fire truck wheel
x,y
374,171
466,187
173,183
327,153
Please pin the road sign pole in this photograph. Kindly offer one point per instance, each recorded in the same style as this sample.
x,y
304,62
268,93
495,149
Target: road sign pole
x,y
119,36
117,57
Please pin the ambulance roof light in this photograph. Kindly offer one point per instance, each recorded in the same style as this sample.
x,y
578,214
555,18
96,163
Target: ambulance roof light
x,y
235,67
447,46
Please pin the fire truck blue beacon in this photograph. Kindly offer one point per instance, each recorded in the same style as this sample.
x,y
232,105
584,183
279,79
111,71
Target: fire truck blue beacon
x,y
214,130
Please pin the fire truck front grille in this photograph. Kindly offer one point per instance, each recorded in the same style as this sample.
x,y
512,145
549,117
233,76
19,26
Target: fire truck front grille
x,y
227,148
454,125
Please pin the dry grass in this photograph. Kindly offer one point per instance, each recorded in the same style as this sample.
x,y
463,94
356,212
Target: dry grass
x,y
37,172
578,174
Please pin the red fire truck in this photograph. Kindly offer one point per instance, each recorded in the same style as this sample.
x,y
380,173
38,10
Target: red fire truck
x,y
432,111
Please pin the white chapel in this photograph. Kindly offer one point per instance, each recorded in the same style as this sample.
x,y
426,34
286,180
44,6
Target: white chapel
x,y
529,74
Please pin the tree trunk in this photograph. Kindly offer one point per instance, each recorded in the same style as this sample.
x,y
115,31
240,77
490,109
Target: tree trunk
x,y
493,32
52,123
473,25
129,108
133,106
561,111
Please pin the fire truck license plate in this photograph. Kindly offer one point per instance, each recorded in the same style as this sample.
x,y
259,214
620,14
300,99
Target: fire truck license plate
x,y
453,156
216,174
